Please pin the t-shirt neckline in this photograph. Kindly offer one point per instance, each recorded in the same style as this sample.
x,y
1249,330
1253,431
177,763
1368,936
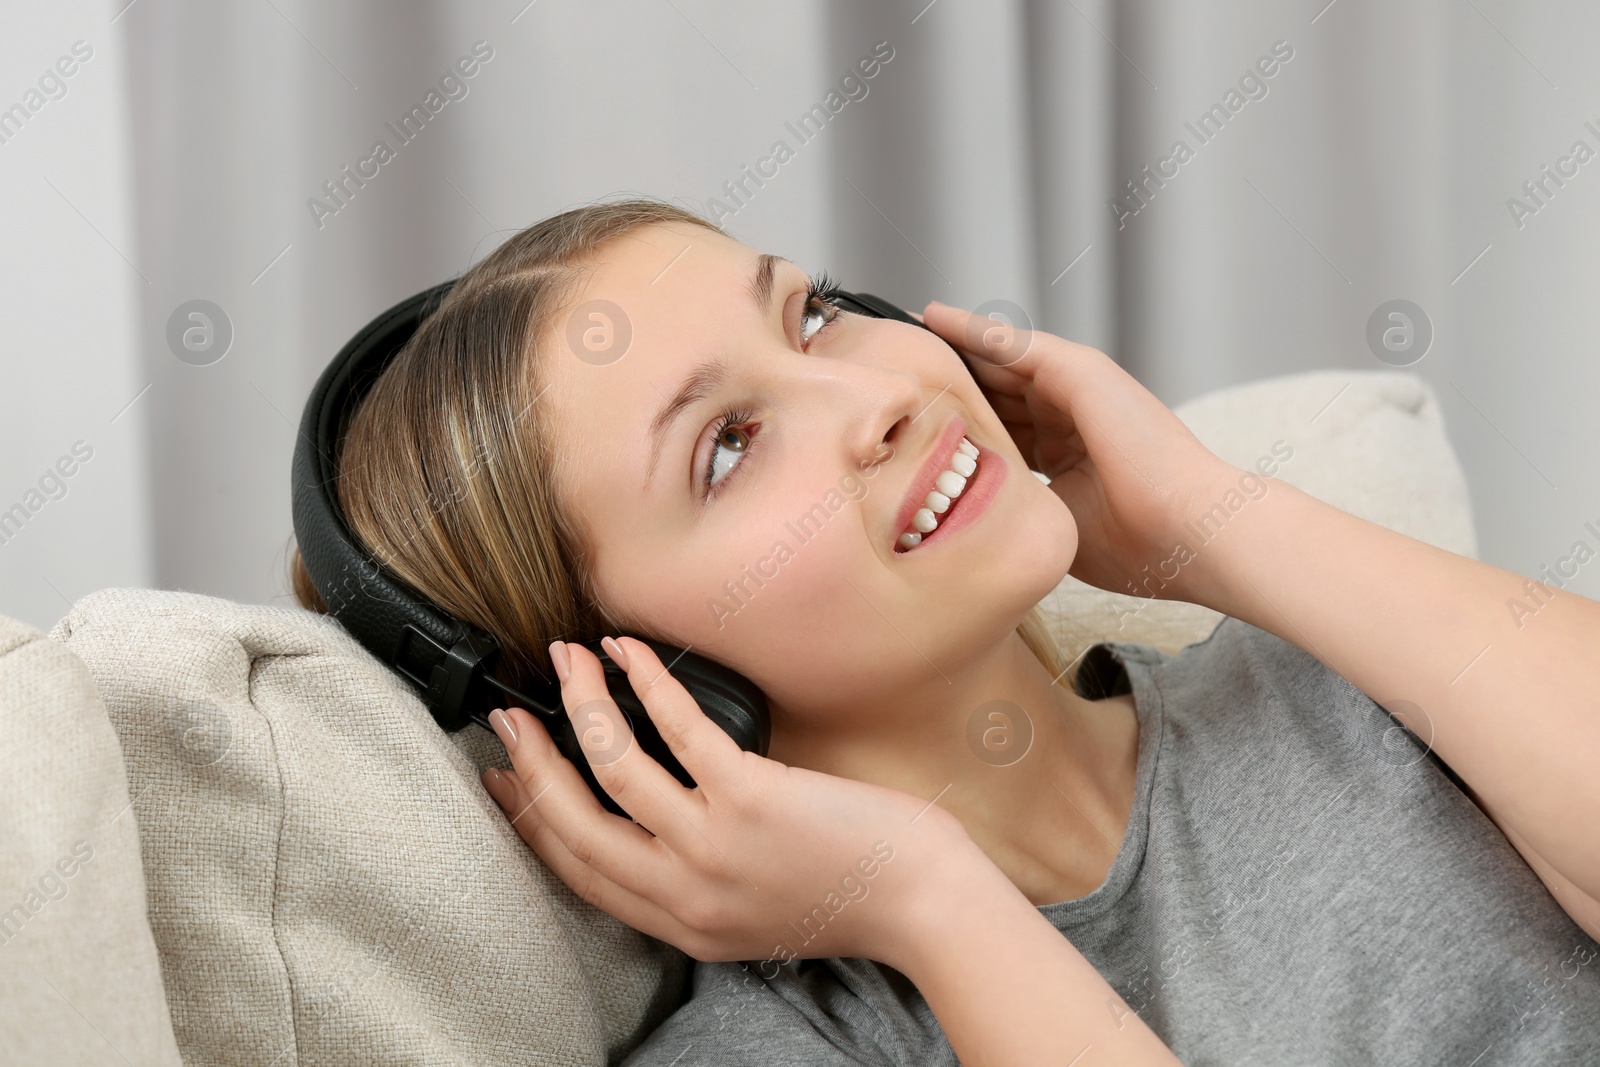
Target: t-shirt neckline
x,y
1108,663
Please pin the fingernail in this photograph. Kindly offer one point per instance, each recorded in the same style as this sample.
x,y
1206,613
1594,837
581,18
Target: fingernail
x,y
939,303
559,657
614,650
492,777
502,726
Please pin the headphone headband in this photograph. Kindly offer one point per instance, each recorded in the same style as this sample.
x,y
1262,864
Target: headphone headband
x,y
438,653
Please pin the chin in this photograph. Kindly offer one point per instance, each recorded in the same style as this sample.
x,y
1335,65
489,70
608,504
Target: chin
x,y
1042,542
1028,546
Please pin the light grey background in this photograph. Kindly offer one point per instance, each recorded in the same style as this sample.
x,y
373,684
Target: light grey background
x,y
979,166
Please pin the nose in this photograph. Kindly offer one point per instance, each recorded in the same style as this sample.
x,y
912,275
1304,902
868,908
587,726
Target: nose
x,y
867,398
880,415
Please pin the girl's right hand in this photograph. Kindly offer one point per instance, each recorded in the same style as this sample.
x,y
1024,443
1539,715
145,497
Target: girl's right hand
x,y
760,861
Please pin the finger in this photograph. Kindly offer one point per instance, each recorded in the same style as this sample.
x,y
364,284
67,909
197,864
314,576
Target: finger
x,y
612,844
982,368
999,343
633,778
704,748
641,912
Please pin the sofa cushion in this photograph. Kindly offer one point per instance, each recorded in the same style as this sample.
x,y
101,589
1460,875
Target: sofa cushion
x,y
329,883
79,978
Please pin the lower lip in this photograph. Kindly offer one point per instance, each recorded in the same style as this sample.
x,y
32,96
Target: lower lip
x,y
969,507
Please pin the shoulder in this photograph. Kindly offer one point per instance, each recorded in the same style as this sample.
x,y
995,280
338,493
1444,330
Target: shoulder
x,y
1245,691
1237,663
1236,647
799,1018
1243,664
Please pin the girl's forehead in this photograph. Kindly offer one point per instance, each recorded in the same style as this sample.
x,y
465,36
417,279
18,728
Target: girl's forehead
x,y
658,301
653,253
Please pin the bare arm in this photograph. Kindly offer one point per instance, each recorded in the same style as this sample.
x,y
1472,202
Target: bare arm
x,y
1499,674
1007,987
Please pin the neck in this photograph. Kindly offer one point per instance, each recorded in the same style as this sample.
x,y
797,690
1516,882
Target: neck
x,y
1041,778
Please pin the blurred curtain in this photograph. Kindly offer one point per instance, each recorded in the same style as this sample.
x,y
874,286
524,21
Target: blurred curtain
x,y
1035,156
982,162
74,459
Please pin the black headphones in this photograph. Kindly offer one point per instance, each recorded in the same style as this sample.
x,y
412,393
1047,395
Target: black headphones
x,y
450,662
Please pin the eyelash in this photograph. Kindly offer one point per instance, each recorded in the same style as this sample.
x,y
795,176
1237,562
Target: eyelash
x,y
822,290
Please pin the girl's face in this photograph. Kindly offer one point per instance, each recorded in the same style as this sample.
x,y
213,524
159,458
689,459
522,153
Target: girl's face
x,y
745,462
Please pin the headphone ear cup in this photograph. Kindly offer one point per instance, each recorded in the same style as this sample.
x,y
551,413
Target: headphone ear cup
x,y
726,697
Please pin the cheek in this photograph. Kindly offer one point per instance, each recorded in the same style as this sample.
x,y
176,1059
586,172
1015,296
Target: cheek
x,y
763,586
776,605
760,591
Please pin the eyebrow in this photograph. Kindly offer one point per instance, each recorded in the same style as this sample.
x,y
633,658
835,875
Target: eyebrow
x,y
710,373
761,284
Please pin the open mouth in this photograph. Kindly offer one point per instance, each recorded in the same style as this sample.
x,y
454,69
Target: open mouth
x,y
951,490
940,505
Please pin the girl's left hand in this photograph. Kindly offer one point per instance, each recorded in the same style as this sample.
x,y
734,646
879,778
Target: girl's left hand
x,y
724,869
1131,473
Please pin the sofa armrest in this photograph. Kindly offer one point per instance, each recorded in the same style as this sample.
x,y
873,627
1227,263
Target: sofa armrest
x,y
80,981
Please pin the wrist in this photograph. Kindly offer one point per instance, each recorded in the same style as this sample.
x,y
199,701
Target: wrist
x,y
962,889
1243,521
1004,984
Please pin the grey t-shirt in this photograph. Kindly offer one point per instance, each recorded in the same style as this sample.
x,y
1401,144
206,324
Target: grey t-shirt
x,y
1302,881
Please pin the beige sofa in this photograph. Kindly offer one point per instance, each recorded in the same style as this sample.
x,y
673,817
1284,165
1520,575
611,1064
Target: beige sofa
x,y
232,835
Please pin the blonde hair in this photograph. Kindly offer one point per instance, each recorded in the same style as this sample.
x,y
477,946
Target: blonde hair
x,y
447,478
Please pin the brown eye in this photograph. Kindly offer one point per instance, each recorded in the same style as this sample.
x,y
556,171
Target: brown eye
x,y
824,312
731,442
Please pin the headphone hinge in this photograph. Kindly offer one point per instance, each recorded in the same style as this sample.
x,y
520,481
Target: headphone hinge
x,y
454,676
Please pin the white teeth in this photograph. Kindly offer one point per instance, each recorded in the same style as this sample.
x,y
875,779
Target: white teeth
x,y
950,483
948,487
